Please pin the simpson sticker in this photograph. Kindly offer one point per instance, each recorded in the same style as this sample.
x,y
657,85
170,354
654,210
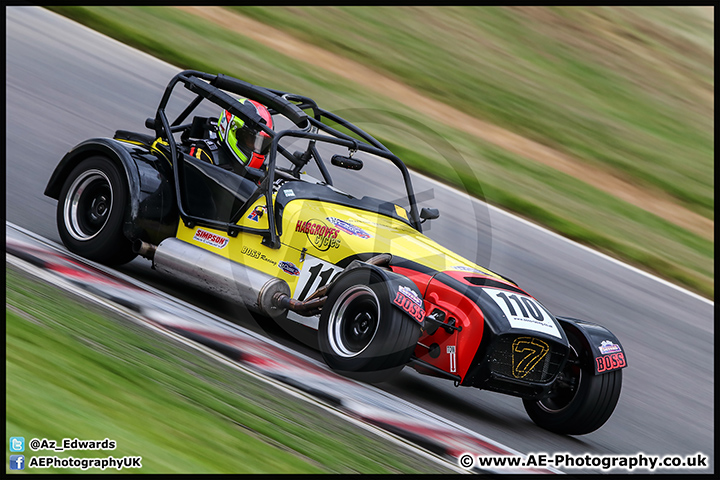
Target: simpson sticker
x,y
410,303
321,235
606,346
610,362
289,193
348,227
210,238
289,268
256,213
524,312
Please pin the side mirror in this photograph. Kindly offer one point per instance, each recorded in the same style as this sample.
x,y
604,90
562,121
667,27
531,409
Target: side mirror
x,y
346,162
429,214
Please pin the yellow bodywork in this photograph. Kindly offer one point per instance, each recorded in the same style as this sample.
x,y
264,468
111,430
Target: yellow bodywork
x,y
315,232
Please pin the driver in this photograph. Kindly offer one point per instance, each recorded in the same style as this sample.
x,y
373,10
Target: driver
x,y
237,140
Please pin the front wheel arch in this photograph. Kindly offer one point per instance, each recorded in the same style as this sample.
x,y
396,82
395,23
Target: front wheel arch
x,y
580,401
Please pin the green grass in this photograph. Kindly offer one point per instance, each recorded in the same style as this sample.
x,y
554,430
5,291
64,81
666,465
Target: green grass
x,y
533,71
76,372
622,87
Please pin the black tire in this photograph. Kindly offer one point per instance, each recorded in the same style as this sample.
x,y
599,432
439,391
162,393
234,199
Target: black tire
x,y
91,210
581,402
360,331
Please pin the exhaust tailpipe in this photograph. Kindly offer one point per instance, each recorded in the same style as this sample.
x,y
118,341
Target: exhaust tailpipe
x,y
209,271
144,249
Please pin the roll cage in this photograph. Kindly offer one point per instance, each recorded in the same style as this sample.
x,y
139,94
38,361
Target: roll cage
x,y
295,108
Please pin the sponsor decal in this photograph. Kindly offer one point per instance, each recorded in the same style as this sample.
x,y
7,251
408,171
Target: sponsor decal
x,y
289,268
409,303
210,238
252,253
610,362
401,212
289,193
526,353
463,268
411,294
322,236
524,312
348,227
258,212
606,346
224,122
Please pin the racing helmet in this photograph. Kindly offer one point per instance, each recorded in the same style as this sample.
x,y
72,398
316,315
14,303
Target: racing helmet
x,y
246,144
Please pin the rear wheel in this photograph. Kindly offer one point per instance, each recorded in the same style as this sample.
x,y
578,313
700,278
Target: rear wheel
x,y
91,210
580,402
360,331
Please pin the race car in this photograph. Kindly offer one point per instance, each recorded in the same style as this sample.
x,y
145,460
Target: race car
x,y
262,231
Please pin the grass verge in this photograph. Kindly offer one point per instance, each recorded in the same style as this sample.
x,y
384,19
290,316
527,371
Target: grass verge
x,y
73,371
582,111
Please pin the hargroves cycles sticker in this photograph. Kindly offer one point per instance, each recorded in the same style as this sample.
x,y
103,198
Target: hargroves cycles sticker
x,y
210,238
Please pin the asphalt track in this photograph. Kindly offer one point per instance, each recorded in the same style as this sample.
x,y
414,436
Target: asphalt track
x,y
65,83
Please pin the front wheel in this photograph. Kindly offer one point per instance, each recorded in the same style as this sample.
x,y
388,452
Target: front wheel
x,y
91,210
580,402
360,331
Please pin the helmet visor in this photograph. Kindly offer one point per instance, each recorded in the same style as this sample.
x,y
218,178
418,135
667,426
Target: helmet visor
x,y
252,141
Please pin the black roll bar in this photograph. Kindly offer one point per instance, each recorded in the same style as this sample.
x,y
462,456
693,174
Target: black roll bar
x,y
209,86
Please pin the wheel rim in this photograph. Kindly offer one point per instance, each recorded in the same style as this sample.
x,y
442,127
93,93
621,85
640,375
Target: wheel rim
x,y
88,205
354,321
567,385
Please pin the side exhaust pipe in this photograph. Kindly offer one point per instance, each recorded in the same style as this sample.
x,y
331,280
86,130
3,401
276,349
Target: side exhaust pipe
x,y
209,271
144,249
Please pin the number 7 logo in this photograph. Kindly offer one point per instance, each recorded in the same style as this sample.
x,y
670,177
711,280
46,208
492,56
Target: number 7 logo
x,y
526,353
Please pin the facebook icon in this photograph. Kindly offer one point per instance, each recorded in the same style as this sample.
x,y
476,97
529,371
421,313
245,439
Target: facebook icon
x,y
17,462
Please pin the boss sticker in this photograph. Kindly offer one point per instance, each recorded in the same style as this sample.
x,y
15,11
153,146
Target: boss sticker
x,y
252,253
348,227
410,302
322,236
606,346
610,362
210,238
289,268
524,312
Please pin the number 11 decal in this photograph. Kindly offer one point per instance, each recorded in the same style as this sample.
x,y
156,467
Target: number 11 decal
x,y
315,274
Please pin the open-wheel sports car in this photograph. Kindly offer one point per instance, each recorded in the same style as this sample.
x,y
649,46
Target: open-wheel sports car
x,y
226,203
